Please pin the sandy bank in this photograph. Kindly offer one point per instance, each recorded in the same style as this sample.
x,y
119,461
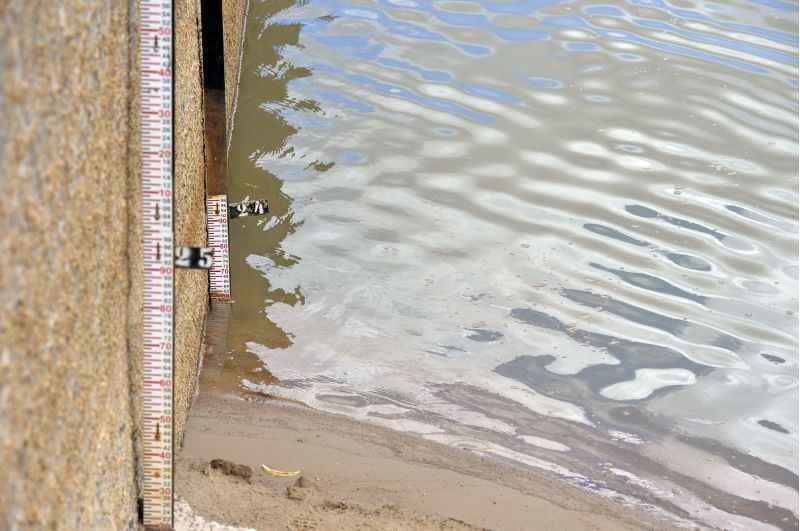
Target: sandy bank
x,y
360,476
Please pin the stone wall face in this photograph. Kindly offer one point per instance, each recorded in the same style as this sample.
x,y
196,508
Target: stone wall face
x,y
70,258
234,13
66,458
191,286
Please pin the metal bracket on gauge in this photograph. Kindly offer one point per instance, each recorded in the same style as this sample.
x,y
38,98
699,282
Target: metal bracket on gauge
x,y
194,257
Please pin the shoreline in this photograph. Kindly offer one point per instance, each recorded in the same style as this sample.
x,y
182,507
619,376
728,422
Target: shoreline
x,y
252,428
358,475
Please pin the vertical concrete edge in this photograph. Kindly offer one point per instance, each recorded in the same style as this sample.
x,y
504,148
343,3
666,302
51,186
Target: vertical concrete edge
x,y
234,13
135,272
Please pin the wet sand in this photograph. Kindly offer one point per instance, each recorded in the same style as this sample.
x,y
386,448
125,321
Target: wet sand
x,y
358,476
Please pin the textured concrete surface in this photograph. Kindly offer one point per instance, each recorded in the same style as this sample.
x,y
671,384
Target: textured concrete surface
x,y
191,287
234,13
66,459
70,258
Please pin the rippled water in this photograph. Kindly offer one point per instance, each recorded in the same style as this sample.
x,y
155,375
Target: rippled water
x,y
563,233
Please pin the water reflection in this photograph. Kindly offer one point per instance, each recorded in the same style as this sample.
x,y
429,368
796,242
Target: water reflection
x,y
256,243
563,233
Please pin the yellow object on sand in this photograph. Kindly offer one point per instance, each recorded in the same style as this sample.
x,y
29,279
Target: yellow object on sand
x,y
278,473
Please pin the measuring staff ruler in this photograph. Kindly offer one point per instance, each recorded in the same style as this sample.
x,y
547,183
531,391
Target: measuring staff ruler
x,y
156,109
218,212
219,276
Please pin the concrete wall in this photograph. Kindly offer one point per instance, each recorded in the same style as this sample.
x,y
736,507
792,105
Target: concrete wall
x,y
65,416
234,13
70,258
191,287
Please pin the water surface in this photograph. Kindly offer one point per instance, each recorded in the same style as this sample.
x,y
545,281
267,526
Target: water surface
x,y
560,233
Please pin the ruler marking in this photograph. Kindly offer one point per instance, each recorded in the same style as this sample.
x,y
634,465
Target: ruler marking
x,y
219,276
156,150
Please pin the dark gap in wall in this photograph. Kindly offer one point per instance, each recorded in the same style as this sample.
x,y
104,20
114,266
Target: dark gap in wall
x,y
214,96
213,45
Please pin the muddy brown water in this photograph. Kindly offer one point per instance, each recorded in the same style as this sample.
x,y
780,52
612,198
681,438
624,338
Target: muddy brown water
x,y
560,233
